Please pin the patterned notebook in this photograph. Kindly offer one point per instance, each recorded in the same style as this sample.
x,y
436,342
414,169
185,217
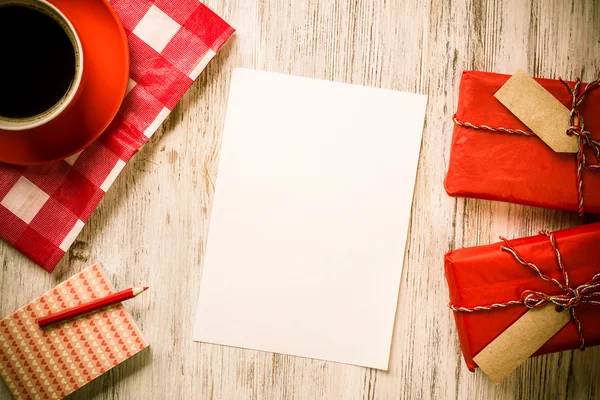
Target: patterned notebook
x,y
54,362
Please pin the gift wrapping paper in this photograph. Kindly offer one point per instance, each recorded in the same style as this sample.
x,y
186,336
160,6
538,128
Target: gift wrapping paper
x,y
515,168
486,275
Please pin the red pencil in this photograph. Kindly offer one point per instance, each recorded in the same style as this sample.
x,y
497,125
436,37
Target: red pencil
x,y
72,312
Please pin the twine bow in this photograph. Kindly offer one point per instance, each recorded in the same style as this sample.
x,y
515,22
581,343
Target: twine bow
x,y
569,299
576,128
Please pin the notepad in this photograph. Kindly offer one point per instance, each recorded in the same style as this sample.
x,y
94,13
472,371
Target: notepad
x,y
53,362
310,218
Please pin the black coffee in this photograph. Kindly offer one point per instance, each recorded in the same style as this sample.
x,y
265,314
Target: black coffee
x,y
37,62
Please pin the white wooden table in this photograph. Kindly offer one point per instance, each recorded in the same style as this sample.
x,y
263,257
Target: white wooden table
x,y
151,227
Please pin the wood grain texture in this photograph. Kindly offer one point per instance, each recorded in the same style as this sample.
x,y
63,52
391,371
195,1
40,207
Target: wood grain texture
x,y
152,225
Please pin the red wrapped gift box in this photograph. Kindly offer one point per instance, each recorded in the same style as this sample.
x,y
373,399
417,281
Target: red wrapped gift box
x,y
486,275
514,168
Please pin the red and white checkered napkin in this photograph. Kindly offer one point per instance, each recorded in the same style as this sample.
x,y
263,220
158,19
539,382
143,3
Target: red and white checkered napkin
x,y
43,209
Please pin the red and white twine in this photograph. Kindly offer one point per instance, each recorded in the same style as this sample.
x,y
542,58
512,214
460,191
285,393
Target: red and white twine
x,y
576,128
570,298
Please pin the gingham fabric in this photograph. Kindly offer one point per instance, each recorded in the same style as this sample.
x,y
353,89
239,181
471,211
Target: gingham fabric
x,y
43,209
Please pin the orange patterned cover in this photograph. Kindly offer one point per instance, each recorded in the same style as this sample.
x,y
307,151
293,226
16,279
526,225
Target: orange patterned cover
x,y
54,362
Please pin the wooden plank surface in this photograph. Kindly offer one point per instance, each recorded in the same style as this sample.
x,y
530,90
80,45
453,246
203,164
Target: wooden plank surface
x,y
152,225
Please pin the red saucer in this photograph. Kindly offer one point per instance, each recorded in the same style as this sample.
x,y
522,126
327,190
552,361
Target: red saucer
x,y
104,83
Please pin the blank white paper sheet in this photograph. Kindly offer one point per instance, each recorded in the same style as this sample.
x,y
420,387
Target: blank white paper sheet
x,y
310,218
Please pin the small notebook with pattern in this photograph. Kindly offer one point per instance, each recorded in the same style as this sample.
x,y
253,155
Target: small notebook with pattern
x,y
54,362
